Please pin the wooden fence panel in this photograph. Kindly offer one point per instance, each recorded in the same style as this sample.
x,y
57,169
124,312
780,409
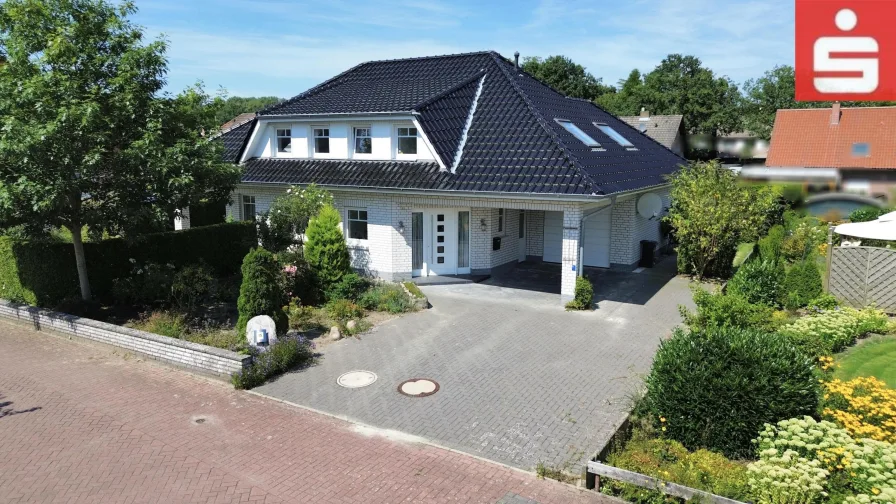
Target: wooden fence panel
x,y
862,276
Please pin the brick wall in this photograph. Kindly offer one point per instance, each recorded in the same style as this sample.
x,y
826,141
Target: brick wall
x,y
509,250
629,228
535,233
173,351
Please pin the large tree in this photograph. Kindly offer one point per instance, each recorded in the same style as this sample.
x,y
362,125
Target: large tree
x,y
764,96
87,137
566,76
629,97
236,105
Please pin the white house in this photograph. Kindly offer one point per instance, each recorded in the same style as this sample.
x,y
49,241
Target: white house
x,y
459,164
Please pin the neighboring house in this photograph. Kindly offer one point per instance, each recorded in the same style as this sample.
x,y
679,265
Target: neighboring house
x,y
459,164
668,130
742,145
853,149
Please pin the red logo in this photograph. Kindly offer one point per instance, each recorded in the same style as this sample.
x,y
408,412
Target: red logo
x,y
845,50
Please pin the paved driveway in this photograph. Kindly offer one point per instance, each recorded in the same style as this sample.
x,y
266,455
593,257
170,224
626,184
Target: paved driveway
x,y
522,381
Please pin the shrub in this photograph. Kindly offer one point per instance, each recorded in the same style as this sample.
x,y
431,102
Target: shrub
x,y
173,325
414,289
287,353
806,239
823,302
712,211
261,292
148,283
670,461
802,284
867,214
831,331
584,295
343,310
847,470
289,215
325,248
299,279
191,286
386,298
718,310
864,406
770,245
758,282
351,287
300,316
717,387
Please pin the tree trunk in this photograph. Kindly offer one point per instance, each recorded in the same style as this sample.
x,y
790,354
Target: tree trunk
x,y
81,262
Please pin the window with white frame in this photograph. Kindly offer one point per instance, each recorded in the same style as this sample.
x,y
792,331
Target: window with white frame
x,y
363,142
248,208
615,135
407,140
284,140
577,132
357,224
321,140
500,220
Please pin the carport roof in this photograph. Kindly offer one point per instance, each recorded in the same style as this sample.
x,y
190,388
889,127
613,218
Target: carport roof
x,y
512,144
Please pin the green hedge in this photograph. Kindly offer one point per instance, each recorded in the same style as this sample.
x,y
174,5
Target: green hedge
x,y
43,273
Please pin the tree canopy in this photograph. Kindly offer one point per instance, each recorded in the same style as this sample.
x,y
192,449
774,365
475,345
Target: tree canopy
x,y
236,105
87,135
566,76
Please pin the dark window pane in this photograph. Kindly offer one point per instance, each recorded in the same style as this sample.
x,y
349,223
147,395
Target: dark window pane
x,y
357,230
363,146
440,249
322,145
440,239
407,145
284,144
463,239
417,239
362,214
522,225
440,260
352,214
440,228
440,218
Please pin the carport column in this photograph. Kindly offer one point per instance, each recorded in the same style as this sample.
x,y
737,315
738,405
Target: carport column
x,y
572,217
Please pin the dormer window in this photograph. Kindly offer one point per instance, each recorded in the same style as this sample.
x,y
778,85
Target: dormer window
x,y
284,140
407,140
577,132
861,149
321,140
363,143
618,138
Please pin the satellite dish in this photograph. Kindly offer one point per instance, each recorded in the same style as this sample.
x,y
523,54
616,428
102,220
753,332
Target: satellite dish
x,y
650,205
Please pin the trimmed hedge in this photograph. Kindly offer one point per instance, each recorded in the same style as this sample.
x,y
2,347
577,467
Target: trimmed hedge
x,y
43,273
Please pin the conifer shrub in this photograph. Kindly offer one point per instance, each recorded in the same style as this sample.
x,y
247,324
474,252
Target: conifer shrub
x,y
325,249
261,292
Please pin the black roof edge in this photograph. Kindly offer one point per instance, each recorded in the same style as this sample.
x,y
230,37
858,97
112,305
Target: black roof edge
x,y
429,101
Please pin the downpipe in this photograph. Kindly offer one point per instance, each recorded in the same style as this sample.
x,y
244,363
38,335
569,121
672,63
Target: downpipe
x,y
585,217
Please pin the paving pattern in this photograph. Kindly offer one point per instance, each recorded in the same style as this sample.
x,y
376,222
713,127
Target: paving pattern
x,y
81,423
521,381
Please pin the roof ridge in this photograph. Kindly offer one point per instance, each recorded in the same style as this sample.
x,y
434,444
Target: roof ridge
x,y
432,99
237,125
314,90
828,109
437,56
543,123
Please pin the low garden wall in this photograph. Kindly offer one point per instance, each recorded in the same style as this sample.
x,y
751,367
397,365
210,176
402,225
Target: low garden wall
x,y
181,353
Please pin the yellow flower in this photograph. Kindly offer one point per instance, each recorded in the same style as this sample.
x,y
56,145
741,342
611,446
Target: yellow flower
x,y
662,419
664,428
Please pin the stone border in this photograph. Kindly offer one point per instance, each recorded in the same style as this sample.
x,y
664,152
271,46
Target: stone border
x,y
193,356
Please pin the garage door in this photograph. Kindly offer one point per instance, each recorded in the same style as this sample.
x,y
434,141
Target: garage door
x,y
553,237
597,239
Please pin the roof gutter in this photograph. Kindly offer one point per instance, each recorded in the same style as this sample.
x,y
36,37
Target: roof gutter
x,y
585,217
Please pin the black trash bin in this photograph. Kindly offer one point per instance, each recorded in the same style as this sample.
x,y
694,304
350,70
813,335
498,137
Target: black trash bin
x,y
648,252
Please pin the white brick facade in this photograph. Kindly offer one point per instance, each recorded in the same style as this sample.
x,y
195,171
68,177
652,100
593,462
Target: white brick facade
x,y
387,253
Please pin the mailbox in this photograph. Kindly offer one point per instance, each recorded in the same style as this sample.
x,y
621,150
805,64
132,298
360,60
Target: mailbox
x,y
496,243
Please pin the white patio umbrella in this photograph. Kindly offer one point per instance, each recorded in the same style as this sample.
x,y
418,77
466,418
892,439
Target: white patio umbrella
x,y
884,228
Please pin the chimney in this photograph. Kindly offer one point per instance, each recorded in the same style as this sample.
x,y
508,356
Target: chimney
x,y
516,60
835,114
644,113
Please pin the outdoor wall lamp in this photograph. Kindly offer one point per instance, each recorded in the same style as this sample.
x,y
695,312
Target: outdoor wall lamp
x,y
400,227
482,225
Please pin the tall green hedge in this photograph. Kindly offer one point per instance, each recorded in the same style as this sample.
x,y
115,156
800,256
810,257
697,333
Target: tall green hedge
x,y
43,273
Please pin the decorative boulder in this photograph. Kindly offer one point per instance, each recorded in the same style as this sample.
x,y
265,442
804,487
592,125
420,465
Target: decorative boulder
x,y
335,333
351,325
261,331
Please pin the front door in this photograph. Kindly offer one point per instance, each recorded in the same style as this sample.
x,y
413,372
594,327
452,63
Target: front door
x,y
442,241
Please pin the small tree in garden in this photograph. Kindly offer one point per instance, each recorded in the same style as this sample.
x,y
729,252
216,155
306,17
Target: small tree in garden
x,y
261,292
759,281
802,284
711,213
325,248
289,215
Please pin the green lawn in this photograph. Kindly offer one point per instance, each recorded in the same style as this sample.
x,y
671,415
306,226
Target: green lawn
x,y
874,357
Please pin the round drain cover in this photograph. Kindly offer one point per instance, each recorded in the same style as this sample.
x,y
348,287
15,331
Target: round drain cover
x,y
418,387
356,379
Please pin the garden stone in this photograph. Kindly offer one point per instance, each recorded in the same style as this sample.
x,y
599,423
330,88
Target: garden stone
x,y
351,325
335,333
256,327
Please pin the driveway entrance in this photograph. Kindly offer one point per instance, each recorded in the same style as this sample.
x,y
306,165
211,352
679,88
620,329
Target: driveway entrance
x,y
520,381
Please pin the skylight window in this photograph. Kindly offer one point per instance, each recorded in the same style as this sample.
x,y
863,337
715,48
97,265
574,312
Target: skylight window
x,y
610,132
578,133
861,150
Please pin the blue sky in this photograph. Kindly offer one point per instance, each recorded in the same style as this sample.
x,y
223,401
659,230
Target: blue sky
x,y
281,48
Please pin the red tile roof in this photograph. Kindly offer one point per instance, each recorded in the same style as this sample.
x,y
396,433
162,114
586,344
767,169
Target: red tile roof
x,y
806,138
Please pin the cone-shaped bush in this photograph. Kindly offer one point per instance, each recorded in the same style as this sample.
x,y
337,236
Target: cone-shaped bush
x,y
802,284
325,248
261,292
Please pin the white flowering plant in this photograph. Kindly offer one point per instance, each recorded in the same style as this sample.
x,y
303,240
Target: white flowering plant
x,y
803,461
831,331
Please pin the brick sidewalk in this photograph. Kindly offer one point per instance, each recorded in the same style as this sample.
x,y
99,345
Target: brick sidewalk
x,y
83,423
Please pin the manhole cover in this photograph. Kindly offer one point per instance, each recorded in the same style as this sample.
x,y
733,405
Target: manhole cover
x,y
356,379
418,387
